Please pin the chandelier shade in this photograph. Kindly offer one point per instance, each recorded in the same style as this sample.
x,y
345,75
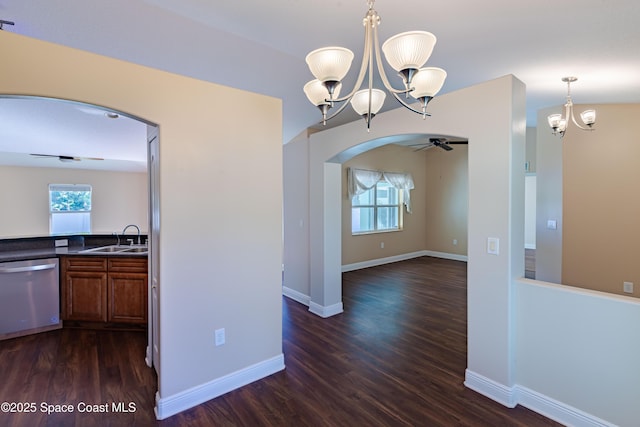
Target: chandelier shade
x,y
330,63
427,82
588,117
317,92
360,101
409,50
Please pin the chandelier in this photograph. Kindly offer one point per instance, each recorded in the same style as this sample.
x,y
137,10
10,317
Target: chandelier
x,y
405,52
559,124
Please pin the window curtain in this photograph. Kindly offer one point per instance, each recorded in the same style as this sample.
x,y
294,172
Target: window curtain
x,y
361,180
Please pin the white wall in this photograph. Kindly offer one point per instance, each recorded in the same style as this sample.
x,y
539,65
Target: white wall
x,y
296,219
548,202
530,211
118,199
577,354
220,263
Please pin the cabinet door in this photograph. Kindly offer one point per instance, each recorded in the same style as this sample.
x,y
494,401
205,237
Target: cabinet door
x,y
85,296
128,297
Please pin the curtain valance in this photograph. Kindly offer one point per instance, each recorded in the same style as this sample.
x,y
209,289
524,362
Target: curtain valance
x,y
361,180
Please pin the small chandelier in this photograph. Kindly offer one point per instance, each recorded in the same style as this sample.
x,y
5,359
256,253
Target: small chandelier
x,y
405,52
559,124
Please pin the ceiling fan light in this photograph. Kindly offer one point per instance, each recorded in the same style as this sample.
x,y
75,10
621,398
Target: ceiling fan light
x,y
427,82
588,117
409,50
329,63
360,101
318,94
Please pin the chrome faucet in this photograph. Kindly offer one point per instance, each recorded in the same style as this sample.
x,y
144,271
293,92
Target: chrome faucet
x,y
137,228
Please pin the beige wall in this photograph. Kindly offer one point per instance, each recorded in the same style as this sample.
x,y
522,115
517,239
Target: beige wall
x,y
601,201
206,242
365,247
118,199
447,198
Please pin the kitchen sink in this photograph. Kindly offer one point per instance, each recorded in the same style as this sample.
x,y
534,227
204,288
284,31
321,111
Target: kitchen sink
x,y
116,249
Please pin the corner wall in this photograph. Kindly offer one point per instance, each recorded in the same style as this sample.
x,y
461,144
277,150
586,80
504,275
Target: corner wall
x,y
214,171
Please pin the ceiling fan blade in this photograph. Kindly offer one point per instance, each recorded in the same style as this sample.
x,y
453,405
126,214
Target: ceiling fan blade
x,y
64,158
43,155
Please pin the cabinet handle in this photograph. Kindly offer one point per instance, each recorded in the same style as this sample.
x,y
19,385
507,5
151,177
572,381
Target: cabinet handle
x,y
25,269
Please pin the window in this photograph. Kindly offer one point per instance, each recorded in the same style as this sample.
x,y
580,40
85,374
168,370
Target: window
x,y
377,198
69,208
377,209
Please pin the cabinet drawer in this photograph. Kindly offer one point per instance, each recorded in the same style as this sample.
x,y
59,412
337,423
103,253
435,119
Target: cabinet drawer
x,y
127,265
85,263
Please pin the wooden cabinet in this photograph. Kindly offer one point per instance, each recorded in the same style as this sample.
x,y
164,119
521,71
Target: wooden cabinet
x,y
127,283
104,289
84,288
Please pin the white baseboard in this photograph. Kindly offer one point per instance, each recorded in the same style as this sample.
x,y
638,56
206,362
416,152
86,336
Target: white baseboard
x,y
487,387
168,406
544,405
296,296
326,311
445,255
556,410
401,257
315,308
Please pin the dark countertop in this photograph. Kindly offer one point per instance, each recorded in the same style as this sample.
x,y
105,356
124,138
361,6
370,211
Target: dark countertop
x,y
38,248
28,254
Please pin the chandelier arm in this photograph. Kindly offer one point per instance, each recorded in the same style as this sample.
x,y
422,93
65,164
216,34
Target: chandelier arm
x,y
363,66
573,118
342,107
383,75
409,107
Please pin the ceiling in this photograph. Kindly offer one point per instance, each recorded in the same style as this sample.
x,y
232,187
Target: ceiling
x,y
260,46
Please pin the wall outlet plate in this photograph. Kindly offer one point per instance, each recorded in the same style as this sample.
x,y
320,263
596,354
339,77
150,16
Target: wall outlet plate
x,y
219,336
627,287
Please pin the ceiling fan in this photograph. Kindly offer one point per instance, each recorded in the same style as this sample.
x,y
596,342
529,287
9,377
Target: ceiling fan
x,y
443,143
63,158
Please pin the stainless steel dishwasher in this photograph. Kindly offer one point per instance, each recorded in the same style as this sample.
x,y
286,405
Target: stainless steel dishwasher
x,y
29,297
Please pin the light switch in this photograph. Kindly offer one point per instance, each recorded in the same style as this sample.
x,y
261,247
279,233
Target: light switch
x,y
493,245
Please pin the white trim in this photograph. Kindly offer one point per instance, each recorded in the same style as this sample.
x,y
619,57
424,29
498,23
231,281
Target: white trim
x,y
556,410
296,296
327,311
168,406
445,255
544,405
529,245
487,387
401,257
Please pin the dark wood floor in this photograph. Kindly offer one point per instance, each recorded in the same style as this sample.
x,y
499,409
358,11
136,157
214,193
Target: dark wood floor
x,y
396,357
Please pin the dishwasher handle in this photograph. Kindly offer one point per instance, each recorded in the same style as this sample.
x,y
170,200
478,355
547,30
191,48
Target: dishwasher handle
x,y
26,269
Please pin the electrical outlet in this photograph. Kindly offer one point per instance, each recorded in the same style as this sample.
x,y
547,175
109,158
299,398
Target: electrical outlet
x,y
381,245
455,242
60,243
220,337
627,287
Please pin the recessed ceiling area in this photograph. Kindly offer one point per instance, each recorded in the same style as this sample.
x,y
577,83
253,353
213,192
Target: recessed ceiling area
x,y
101,139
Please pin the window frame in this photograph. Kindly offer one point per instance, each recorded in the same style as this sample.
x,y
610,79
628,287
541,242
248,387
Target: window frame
x,y
377,206
60,213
